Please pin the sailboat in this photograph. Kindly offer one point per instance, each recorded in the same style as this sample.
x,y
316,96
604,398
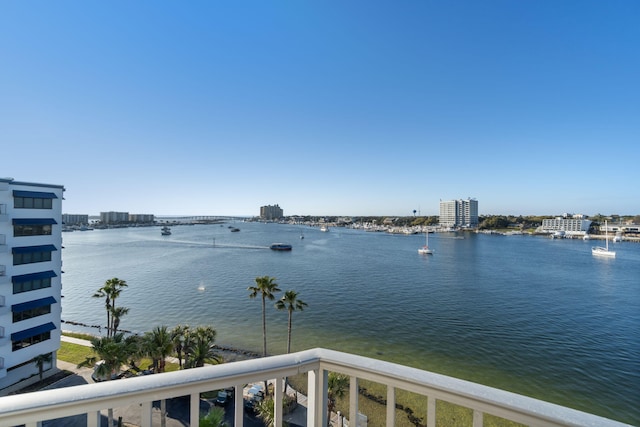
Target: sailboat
x,y
425,250
604,252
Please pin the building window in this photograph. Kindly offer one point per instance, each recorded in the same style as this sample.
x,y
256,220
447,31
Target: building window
x,y
31,285
33,200
31,336
31,230
31,203
31,257
32,281
31,313
26,342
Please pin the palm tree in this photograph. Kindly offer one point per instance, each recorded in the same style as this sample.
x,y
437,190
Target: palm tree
x,y
265,409
110,291
179,336
291,303
158,346
114,288
102,293
200,347
266,287
337,386
112,351
214,418
40,361
134,348
116,314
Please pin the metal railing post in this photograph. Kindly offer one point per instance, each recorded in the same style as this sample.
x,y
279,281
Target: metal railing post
x,y
353,401
391,406
194,409
278,385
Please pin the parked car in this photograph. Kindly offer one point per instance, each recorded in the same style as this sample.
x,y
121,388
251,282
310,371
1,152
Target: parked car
x,y
222,399
253,396
98,378
250,403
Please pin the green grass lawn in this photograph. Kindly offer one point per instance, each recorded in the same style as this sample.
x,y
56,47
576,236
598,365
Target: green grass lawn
x,y
76,354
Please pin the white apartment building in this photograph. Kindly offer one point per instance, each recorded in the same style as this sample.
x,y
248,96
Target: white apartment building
x,y
114,217
30,282
459,213
75,219
569,226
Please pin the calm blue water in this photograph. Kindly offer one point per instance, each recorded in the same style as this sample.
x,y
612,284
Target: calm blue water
x,y
532,315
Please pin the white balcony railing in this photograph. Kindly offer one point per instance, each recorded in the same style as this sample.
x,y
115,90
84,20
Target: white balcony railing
x,y
90,399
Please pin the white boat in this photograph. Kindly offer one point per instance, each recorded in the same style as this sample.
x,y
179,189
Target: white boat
x,y
425,250
324,228
604,251
165,231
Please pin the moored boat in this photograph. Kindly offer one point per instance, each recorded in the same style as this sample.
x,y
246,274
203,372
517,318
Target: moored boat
x,y
165,231
604,251
280,247
426,250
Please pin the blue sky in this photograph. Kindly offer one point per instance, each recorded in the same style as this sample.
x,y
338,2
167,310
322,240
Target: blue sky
x,y
324,107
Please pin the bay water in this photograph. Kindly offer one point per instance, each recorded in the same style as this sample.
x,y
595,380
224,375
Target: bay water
x,y
532,315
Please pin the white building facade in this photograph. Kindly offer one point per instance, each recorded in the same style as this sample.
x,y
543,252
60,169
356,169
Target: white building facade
x,y
30,277
459,213
577,226
114,217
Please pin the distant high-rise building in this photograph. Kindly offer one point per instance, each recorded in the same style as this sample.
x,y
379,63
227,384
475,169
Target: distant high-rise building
x,y
141,218
75,219
270,213
30,282
459,213
114,217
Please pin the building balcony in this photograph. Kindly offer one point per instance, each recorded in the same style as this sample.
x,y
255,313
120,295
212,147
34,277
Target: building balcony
x,y
141,392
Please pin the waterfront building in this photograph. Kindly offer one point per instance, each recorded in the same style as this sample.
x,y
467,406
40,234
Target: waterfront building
x,y
141,218
111,217
75,219
569,226
30,282
271,213
459,213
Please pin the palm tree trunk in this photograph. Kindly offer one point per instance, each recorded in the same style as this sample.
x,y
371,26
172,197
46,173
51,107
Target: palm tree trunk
x,y
264,329
108,322
264,339
113,319
286,379
289,332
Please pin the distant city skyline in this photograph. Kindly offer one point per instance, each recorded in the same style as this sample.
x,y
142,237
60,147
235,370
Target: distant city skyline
x,y
325,108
